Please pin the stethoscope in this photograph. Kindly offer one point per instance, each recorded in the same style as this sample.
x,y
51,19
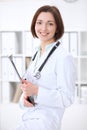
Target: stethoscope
x,y
38,73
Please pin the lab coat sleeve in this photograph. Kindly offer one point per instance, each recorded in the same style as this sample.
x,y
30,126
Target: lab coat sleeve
x,y
63,95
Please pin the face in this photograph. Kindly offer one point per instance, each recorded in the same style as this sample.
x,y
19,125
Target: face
x,y
45,27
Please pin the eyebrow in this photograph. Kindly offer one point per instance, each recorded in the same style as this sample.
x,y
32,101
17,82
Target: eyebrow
x,y
47,21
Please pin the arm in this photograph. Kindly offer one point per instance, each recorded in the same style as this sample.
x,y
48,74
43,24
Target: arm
x,y
63,96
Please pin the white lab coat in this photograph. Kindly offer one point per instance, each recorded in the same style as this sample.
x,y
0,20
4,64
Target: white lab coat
x,y
56,90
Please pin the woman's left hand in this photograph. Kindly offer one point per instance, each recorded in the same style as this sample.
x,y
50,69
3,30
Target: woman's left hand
x,y
28,88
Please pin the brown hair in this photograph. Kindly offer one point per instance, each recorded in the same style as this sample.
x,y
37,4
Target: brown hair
x,y
57,16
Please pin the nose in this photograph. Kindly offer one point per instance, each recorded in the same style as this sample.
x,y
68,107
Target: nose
x,y
44,26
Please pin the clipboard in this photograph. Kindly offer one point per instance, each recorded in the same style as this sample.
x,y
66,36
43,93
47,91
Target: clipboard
x,y
30,98
11,59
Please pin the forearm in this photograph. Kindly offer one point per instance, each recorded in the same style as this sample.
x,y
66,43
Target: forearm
x,y
54,98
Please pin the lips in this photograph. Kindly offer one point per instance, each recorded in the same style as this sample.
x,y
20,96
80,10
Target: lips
x,y
44,34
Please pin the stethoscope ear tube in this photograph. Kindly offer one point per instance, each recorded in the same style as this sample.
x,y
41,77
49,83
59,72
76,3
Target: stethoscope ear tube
x,y
38,73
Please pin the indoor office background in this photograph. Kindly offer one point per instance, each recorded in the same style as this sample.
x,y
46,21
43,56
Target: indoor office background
x,y
16,39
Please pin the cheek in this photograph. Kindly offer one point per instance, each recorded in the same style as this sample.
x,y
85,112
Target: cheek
x,y
54,31
36,29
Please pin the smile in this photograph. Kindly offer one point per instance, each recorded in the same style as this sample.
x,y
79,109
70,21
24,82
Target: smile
x,y
44,34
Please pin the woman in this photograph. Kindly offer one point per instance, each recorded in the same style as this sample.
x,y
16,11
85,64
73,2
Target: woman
x,y
51,84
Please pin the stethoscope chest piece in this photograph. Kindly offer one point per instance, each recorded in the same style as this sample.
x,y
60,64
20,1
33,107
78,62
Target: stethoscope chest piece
x,y
37,75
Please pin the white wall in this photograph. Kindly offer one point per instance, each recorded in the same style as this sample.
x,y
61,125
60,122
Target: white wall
x,y
17,15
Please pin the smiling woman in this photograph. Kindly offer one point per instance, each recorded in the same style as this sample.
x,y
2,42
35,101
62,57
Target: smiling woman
x,y
53,91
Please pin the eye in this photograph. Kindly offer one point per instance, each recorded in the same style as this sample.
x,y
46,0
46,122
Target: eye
x,y
39,22
51,24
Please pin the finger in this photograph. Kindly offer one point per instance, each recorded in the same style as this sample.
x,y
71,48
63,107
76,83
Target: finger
x,y
25,97
25,81
24,87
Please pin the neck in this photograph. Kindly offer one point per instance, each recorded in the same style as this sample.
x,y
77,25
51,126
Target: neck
x,y
44,44
42,50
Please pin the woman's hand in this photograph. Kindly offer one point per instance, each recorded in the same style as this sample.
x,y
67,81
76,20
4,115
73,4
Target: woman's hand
x,y
28,88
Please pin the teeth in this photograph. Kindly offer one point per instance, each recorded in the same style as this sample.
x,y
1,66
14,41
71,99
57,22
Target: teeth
x,y
44,34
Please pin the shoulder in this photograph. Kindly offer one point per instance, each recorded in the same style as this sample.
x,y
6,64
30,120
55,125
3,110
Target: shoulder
x,y
61,52
63,56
